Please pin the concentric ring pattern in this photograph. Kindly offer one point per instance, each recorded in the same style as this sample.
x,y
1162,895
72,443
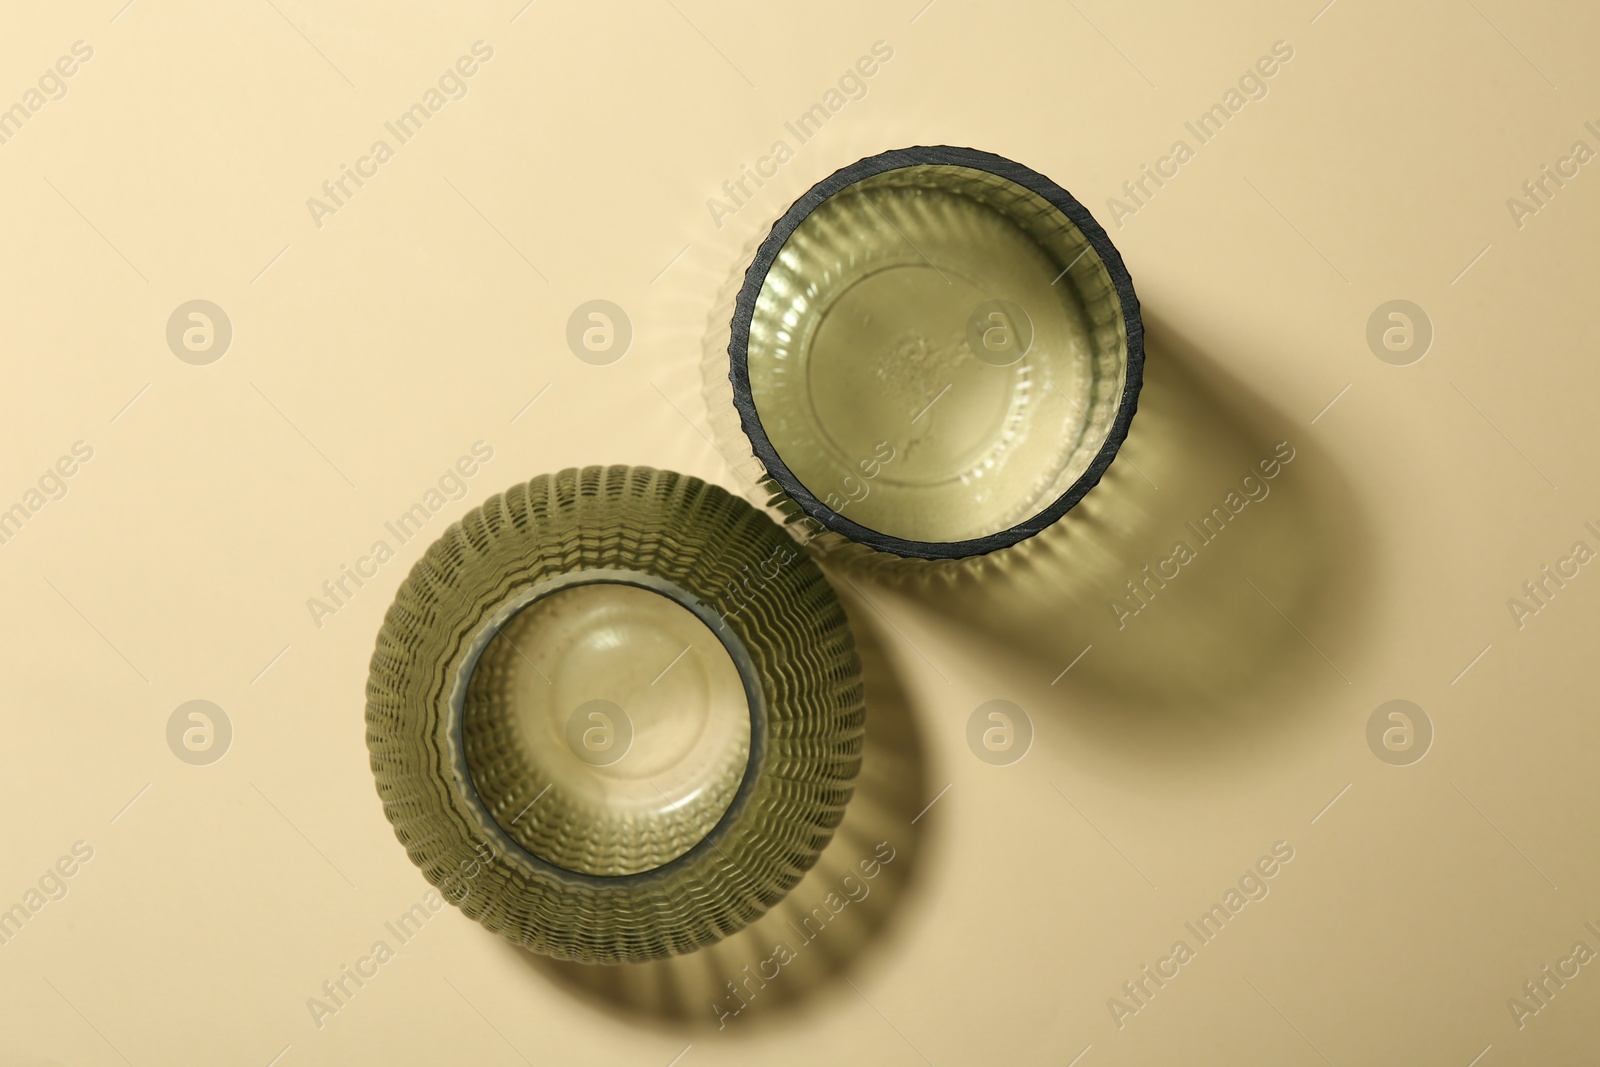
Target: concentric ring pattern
x,y
735,561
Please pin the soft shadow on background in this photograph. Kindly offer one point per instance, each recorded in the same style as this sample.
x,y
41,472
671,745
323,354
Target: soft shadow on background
x,y
1264,609
690,993
1231,646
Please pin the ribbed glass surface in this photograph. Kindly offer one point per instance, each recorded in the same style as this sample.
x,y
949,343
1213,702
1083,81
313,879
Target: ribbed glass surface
x,y
937,353
606,726
697,631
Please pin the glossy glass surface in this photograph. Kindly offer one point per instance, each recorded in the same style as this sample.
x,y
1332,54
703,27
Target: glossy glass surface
x,y
937,353
607,726
583,610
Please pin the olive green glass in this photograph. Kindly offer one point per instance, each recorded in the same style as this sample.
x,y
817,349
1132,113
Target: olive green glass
x,y
614,714
936,353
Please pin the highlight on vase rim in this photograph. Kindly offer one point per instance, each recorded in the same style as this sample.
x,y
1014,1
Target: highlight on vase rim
x,y
936,352
595,733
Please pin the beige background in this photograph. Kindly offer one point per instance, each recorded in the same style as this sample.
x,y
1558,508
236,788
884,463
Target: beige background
x,y
426,314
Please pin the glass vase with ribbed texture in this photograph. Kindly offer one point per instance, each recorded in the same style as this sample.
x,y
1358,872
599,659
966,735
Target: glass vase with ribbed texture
x,y
934,354
614,714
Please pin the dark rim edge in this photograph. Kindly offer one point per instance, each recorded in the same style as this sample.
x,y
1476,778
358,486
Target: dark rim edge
x,y
756,276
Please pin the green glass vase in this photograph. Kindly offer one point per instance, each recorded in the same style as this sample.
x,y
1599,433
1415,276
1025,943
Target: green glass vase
x,y
934,354
614,714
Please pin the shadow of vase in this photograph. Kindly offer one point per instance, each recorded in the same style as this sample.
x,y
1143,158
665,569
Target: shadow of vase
x,y
838,914
1217,575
